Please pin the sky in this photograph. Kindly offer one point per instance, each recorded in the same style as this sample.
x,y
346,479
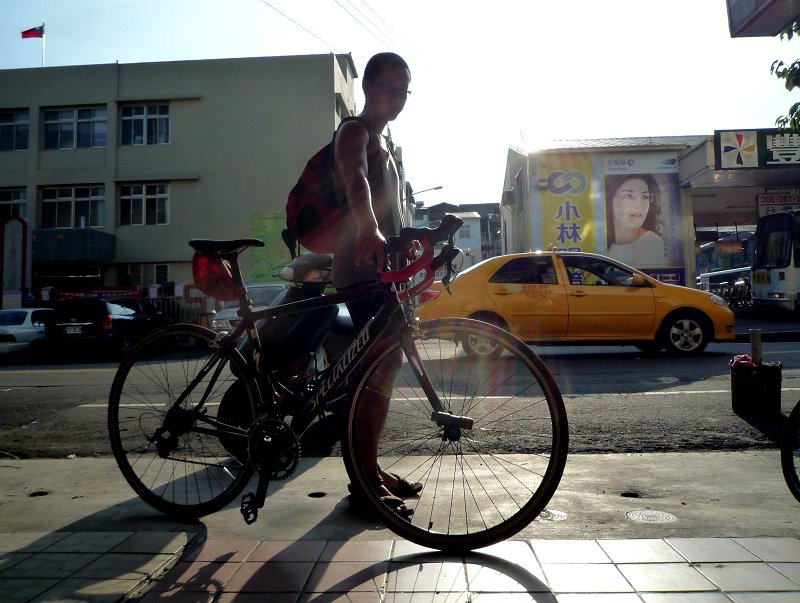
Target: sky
x,y
485,76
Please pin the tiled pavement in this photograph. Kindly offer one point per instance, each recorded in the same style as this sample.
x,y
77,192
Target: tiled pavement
x,y
164,566
70,530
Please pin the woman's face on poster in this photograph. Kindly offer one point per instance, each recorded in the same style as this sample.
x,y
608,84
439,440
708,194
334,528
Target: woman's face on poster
x,y
631,203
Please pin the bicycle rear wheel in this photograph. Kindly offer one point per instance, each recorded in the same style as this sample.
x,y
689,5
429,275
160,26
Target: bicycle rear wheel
x,y
170,464
790,452
481,484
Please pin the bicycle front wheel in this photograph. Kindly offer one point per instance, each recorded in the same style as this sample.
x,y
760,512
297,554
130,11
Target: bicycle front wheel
x,y
170,463
485,476
790,452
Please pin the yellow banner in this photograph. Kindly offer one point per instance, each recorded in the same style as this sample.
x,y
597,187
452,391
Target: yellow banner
x,y
567,212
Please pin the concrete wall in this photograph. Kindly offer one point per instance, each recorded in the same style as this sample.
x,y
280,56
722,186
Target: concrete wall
x,y
240,132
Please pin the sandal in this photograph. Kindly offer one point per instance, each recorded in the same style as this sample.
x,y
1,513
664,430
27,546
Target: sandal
x,y
404,488
392,502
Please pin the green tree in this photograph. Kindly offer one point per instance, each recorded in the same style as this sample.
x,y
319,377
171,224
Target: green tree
x,y
790,74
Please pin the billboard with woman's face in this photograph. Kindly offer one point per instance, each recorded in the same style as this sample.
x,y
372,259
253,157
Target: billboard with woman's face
x,y
643,210
624,205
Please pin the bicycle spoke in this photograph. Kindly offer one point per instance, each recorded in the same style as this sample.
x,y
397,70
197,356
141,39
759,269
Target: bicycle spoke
x,y
487,473
163,455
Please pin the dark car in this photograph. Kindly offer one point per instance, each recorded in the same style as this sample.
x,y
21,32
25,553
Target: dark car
x,y
101,325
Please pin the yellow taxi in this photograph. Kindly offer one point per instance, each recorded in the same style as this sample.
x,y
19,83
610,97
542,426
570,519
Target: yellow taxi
x,y
580,298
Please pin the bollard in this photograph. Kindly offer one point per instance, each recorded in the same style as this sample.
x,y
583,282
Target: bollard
x,y
755,345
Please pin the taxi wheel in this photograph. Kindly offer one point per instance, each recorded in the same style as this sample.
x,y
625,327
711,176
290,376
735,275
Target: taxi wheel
x,y
480,347
685,334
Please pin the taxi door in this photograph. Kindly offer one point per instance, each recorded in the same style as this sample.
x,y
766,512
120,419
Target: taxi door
x,y
603,301
526,291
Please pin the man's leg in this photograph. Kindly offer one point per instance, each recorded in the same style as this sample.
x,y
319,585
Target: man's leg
x,y
375,405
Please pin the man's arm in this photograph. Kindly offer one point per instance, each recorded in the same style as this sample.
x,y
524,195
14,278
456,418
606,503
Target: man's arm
x,y
351,153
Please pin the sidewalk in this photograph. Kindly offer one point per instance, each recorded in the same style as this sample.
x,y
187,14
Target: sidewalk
x,y
644,527
775,325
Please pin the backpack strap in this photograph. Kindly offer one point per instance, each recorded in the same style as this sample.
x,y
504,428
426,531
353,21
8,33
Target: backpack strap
x,y
371,130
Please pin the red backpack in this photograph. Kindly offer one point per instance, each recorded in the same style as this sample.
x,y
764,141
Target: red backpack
x,y
313,214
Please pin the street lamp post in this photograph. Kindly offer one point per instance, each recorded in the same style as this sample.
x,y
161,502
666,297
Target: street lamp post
x,y
425,190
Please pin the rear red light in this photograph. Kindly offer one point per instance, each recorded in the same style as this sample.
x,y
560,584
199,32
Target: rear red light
x,y
427,295
781,276
107,324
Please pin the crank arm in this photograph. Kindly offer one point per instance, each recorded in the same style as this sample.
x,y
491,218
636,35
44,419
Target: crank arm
x,y
251,503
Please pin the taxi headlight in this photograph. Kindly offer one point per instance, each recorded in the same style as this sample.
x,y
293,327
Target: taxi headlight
x,y
718,300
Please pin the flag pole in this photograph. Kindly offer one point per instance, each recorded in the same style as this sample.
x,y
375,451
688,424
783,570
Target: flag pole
x,y
43,36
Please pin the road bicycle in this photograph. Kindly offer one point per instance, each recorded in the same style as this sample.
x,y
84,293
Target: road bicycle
x,y
790,452
195,414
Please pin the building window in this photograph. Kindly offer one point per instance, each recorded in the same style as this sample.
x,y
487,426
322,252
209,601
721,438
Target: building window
x,y
14,130
464,232
143,204
13,202
145,275
145,124
75,128
73,207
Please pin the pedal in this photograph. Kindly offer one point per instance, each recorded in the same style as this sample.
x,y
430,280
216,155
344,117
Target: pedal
x,y
249,508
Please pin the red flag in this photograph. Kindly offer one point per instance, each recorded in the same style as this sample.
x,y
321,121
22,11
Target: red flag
x,y
34,32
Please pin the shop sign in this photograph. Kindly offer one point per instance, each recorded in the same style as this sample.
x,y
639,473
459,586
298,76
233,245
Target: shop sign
x,y
729,246
764,149
777,202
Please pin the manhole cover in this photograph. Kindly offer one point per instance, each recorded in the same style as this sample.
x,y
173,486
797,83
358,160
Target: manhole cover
x,y
648,516
551,515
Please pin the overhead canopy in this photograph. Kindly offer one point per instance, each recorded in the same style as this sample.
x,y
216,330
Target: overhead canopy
x,y
726,172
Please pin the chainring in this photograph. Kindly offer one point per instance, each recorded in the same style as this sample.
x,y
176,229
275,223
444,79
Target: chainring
x,y
273,446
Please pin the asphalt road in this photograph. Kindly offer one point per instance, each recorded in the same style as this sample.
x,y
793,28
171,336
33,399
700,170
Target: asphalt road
x,y
618,400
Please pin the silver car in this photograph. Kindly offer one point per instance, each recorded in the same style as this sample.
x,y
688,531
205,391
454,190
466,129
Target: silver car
x,y
262,295
21,327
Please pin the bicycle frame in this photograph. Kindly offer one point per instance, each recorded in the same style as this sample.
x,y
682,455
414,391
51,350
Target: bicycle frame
x,y
391,317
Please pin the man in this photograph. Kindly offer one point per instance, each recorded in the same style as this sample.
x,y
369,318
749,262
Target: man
x,y
367,177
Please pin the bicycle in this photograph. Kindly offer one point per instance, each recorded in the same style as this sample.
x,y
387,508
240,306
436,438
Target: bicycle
x,y
790,452
192,418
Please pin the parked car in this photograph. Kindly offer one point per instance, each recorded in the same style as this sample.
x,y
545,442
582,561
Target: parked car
x,y
581,298
22,329
262,295
103,325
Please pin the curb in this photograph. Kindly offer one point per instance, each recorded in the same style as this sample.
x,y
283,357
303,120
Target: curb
x,y
774,336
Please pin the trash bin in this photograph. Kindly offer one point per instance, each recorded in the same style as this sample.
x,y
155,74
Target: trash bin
x,y
755,388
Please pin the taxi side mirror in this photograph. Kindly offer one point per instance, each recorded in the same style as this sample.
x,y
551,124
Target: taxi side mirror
x,y
637,280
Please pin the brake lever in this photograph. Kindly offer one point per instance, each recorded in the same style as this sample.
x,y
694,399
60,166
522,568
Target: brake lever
x,y
449,265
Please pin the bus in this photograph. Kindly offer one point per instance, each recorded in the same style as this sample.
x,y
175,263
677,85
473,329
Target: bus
x,y
719,280
776,257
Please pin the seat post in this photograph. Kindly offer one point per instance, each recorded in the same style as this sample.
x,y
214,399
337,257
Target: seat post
x,y
238,282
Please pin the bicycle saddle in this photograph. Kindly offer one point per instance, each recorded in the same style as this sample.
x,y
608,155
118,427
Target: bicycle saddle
x,y
224,246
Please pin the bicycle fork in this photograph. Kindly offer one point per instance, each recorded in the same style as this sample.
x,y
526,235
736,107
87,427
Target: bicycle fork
x,y
451,425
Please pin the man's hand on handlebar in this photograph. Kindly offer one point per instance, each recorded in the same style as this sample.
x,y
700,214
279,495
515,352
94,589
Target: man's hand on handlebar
x,y
370,249
427,238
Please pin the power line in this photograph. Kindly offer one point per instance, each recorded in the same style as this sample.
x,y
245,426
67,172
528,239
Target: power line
x,y
367,29
285,16
382,20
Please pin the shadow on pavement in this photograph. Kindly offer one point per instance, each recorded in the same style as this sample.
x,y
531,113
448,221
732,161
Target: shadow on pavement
x,y
771,425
